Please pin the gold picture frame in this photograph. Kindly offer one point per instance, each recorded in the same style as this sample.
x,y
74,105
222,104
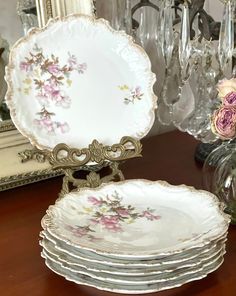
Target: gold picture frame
x,y
47,9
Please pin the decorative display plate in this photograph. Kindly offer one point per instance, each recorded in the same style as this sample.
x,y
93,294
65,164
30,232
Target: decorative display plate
x,y
77,80
121,266
138,280
194,264
131,219
131,289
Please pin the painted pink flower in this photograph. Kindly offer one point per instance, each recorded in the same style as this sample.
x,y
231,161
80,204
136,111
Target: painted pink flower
x,y
111,223
55,93
72,61
123,212
45,123
230,99
226,86
50,90
43,99
54,69
62,100
79,231
24,66
95,201
223,122
150,216
64,127
137,91
82,67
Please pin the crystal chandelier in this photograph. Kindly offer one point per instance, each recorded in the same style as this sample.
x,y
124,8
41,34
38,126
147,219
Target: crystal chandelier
x,y
189,51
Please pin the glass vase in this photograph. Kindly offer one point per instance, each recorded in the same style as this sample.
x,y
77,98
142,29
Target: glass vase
x,y
219,176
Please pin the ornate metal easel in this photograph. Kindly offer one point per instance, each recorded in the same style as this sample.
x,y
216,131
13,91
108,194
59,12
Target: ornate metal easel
x,y
92,160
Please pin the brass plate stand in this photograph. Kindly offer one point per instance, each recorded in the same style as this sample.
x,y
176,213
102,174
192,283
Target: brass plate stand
x,y
91,160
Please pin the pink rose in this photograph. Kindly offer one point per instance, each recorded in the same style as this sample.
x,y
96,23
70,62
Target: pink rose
x,y
226,86
230,99
223,122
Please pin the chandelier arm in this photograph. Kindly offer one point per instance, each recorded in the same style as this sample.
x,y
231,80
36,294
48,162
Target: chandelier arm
x,y
144,3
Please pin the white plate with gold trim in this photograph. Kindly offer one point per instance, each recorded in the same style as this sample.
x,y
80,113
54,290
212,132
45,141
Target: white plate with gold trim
x,y
131,289
144,274
139,280
77,80
131,219
124,267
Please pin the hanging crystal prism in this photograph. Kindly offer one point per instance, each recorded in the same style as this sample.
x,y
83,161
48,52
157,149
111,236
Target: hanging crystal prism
x,y
184,41
148,26
226,39
202,82
167,37
185,106
164,113
195,26
173,78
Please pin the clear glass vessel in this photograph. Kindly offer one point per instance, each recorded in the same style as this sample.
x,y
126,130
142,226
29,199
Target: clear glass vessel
x,y
219,176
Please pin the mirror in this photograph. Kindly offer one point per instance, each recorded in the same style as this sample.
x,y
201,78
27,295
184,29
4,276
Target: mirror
x,y
17,17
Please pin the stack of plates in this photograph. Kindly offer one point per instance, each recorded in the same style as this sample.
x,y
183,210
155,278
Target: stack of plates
x,y
135,236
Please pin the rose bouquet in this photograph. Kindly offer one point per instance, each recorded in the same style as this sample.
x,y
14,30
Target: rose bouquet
x,y
224,118
220,166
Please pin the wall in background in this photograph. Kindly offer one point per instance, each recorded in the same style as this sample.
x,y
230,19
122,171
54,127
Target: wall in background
x,y
10,25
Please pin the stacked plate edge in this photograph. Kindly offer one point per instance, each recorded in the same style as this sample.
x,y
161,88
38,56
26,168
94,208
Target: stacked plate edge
x,y
135,236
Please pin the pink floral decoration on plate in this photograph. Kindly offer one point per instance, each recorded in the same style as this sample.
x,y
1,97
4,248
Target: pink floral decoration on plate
x,y
133,94
111,214
46,122
49,79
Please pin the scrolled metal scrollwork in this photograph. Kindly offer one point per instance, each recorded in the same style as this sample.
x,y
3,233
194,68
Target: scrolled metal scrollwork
x,y
63,156
33,154
92,159
92,180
